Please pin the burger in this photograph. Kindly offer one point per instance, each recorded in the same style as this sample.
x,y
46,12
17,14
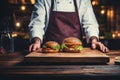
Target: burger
x,y
71,45
51,47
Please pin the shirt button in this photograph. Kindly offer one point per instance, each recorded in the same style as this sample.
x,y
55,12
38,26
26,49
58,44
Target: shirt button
x,y
70,2
58,2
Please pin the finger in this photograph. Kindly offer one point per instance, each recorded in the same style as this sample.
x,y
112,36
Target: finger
x,y
30,48
102,47
106,50
34,48
93,46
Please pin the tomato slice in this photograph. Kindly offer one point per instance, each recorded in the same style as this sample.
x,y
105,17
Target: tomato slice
x,y
48,48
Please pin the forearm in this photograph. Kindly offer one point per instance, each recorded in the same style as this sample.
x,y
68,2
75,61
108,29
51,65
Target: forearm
x,y
37,23
89,23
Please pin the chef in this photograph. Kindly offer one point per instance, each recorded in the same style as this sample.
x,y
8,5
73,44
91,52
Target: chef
x,y
57,19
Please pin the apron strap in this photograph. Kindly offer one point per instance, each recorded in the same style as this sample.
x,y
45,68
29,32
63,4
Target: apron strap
x,y
52,4
81,30
75,3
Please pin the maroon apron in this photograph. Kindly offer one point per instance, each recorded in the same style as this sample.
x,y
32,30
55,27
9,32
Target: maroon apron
x,y
62,25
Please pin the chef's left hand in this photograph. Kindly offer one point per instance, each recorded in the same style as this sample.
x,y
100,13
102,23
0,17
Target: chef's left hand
x,y
98,45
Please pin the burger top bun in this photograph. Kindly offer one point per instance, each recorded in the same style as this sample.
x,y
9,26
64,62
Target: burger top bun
x,y
71,40
51,44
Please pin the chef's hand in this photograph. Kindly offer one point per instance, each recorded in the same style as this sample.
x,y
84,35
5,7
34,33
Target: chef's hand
x,y
36,42
95,44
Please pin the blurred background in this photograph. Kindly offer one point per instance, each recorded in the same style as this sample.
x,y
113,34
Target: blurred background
x,y
15,17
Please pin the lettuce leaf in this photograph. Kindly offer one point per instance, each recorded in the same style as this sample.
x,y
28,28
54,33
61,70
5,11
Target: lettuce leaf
x,y
56,47
44,46
79,47
63,46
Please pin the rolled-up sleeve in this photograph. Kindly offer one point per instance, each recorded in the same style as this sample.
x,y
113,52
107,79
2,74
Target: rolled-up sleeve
x,y
37,23
89,21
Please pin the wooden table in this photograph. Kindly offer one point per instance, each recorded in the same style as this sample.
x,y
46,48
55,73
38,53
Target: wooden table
x,y
12,67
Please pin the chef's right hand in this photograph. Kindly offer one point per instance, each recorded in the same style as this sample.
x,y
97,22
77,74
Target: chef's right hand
x,y
35,44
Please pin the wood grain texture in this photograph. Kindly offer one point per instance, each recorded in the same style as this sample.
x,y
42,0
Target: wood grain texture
x,y
85,56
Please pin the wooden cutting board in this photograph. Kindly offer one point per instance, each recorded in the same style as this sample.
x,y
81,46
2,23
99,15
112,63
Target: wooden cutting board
x,y
117,60
87,55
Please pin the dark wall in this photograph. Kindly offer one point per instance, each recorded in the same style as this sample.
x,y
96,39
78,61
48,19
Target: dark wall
x,y
113,2
6,17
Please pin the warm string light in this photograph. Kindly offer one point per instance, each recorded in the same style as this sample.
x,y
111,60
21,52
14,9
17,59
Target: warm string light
x,y
110,13
23,8
95,2
116,34
18,24
102,11
32,1
22,1
14,35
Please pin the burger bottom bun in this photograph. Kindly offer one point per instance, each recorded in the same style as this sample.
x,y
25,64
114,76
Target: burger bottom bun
x,y
69,50
49,51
